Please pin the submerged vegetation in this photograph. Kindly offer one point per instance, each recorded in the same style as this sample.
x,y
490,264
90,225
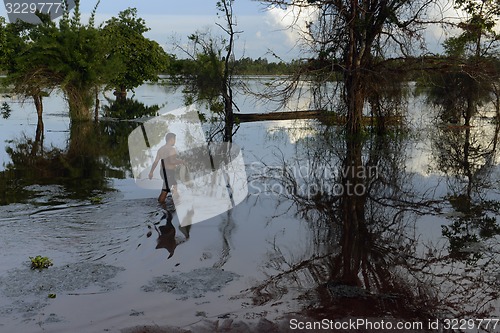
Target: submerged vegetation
x,y
40,262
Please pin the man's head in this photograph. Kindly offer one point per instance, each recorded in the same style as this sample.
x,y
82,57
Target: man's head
x,y
170,138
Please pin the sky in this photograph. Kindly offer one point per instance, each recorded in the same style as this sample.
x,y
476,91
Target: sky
x,y
263,29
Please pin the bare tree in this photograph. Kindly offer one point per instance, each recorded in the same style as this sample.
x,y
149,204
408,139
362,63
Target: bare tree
x,y
211,76
226,8
348,39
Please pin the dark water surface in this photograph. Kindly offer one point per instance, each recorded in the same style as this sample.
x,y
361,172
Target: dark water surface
x,y
398,228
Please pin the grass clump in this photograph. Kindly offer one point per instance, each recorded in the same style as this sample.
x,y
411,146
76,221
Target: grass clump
x,y
40,262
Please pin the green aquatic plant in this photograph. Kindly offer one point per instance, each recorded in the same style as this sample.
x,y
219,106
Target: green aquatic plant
x,y
96,200
40,262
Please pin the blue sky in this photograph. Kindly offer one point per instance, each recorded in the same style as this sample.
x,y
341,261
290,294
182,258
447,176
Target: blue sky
x,y
185,7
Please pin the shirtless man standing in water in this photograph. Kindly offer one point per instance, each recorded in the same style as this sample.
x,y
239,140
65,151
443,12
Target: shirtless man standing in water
x,y
168,154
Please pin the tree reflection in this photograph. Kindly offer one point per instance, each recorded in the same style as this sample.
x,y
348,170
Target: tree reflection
x,y
354,212
77,167
467,157
365,257
129,108
93,153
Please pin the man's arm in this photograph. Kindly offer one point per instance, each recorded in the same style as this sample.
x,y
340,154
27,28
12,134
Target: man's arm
x,y
155,163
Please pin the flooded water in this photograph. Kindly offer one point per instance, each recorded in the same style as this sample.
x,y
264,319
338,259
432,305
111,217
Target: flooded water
x,y
385,230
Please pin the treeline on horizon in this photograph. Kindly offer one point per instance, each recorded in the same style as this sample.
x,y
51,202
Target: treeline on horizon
x,y
243,66
415,68
263,66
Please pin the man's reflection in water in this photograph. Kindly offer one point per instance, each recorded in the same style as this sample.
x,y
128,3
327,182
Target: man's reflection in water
x,y
185,226
166,233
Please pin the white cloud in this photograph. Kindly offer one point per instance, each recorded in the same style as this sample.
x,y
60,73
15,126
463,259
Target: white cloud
x,y
292,21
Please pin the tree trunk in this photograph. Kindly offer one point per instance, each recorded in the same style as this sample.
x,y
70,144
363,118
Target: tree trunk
x,y
496,91
97,104
228,114
39,135
467,165
80,106
39,110
469,111
81,145
354,98
354,240
120,93
79,112
227,92
357,56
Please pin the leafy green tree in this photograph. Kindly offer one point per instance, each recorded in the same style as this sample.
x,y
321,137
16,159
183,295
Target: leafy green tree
x,y
142,59
479,37
70,55
78,57
204,74
3,44
472,71
27,79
